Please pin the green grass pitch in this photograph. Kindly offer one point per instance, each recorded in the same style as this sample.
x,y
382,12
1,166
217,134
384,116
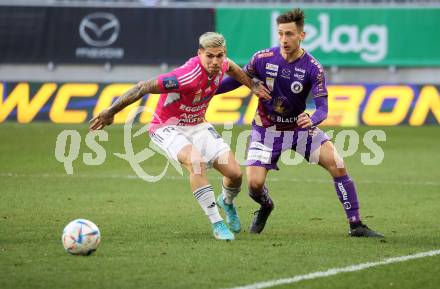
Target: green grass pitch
x,y
154,235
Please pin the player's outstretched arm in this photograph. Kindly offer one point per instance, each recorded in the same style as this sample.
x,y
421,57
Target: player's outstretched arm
x,y
238,74
106,116
228,84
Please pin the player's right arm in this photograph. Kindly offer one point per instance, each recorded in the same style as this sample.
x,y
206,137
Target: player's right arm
x,y
255,85
106,116
229,83
246,76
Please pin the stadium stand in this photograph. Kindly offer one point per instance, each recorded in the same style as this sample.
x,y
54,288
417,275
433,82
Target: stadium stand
x,y
108,71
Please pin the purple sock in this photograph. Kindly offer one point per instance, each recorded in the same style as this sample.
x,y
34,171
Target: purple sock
x,y
261,197
348,197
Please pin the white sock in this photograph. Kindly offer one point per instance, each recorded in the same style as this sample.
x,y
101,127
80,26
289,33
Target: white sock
x,y
206,198
229,194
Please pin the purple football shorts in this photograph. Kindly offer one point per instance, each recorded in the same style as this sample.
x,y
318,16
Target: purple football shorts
x,y
266,145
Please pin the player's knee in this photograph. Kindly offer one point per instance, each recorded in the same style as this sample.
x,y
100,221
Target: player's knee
x,y
255,184
235,174
337,170
193,161
197,168
198,165
334,165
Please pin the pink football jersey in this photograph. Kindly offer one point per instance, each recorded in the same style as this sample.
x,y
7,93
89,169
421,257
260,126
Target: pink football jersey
x,y
187,91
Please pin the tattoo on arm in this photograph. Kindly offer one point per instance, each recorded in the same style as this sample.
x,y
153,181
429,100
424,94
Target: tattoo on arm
x,y
238,74
134,94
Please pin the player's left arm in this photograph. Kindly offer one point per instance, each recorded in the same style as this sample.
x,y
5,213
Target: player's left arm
x,y
320,98
238,74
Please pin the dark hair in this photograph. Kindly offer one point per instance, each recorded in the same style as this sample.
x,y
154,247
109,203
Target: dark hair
x,y
295,15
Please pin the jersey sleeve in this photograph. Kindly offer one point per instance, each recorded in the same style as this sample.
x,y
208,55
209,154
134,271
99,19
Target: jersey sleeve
x,y
321,111
317,77
168,83
228,84
180,79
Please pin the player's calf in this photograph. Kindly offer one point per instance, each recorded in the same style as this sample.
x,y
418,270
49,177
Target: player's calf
x,y
266,208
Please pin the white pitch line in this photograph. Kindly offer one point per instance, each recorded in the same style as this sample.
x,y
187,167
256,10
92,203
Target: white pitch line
x,y
335,271
184,178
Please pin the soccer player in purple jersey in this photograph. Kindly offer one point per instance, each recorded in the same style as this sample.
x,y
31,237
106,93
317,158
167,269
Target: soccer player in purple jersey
x,y
280,123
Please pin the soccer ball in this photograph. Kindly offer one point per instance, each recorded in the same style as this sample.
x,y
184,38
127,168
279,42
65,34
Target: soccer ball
x,y
81,237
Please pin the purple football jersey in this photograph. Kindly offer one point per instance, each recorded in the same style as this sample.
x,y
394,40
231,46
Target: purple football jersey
x,y
289,83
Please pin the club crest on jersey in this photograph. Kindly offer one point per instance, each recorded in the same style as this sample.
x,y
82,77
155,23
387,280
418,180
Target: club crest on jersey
x,y
273,67
217,80
269,82
202,96
170,82
279,106
296,87
197,96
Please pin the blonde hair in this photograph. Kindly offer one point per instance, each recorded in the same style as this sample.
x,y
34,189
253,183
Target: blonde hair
x,y
211,40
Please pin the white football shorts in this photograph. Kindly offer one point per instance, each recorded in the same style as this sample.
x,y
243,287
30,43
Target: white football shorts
x,y
173,138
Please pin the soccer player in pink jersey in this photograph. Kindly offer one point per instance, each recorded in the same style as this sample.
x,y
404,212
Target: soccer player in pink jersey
x,y
179,127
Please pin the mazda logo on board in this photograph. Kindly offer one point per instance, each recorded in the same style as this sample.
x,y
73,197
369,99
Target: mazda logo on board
x,y
99,29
